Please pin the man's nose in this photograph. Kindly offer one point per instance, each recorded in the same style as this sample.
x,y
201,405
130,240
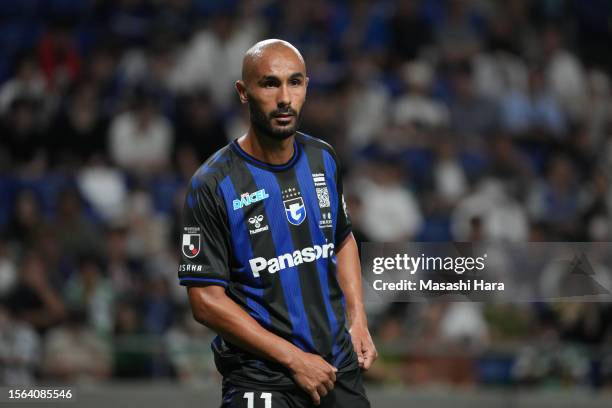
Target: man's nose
x,y
284,98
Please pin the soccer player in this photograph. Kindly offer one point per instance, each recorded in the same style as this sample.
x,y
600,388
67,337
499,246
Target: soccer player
x,y
268,255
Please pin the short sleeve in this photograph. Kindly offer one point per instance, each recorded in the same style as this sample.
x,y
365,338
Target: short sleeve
x,y
204,239
343,223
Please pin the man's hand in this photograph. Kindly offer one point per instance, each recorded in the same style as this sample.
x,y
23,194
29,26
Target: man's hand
x,y
349,277
313,374
364,346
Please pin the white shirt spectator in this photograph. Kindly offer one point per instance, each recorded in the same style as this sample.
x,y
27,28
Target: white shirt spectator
x,y
465,321
450,180
104,187
567,81
390,212
502,217
215,63
19,351
140,148
8,273
76,354
417,106
367,108
497,73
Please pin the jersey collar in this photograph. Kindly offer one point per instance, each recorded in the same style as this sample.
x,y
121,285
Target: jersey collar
x,y
268,166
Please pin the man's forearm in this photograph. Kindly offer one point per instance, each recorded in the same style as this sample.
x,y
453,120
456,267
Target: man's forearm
x,y
349,277
214,309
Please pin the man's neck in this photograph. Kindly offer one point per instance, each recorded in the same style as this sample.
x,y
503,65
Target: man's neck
x,y
267,149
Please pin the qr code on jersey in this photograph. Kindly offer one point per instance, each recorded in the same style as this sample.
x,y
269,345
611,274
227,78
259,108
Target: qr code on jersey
x,y
323,196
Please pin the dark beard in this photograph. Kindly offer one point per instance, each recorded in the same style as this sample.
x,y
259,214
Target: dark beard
x,y
262,122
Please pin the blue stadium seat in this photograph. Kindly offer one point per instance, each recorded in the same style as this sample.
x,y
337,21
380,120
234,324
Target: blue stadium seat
x,y
495,369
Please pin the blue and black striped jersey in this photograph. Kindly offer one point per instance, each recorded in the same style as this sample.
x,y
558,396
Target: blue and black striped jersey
x,y
267,233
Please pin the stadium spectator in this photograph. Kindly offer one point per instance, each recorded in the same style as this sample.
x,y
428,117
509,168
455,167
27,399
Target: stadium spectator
x,y
80,131
74,352
8,269
157,306
60,265
103,75
534,111
140,139
472,117
187,343
564,74
58,55
22,138
213,57
409,32
157,318
132,353
147,230
390,211
503,218
89,290
457,36
19,350
76,233
27,218
367,101
416,107
598,108
554,200
199,126
27,82
464,324
131,21
596,208
34,299
449,178
104,188
124,272
509,164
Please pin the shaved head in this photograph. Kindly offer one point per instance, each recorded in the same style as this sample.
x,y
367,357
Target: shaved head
x,y
273,85
261,51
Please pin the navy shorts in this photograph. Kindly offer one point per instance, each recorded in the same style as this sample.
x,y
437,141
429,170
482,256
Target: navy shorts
x,y
348,392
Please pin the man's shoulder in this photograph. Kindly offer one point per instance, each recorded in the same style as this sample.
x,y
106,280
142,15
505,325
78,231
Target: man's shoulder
x,y
213,170
314,143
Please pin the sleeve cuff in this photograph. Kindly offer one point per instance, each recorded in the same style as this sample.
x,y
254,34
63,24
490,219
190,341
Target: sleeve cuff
x,y
342,236
198,281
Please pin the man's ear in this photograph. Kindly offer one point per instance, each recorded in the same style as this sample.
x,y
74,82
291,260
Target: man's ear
x,y
242,93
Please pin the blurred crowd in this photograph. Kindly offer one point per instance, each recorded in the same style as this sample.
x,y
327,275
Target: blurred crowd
x,y
465,120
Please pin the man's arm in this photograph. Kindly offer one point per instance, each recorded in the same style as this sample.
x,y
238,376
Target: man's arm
x,y
214,309
349,277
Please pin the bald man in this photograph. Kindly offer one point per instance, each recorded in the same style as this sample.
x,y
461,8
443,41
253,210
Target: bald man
x,y
268,256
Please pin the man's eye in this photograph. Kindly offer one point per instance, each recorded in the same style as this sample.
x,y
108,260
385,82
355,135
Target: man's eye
x,y
269,84
296,82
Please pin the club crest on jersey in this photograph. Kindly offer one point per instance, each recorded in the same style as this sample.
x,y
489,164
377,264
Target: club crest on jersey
x,y
191,245
295,210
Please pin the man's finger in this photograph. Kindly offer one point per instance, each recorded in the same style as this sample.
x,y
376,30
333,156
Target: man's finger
x,y
315,397
357,345
332,375
370,356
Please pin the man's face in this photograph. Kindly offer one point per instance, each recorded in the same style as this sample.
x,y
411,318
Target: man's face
x,y
275,91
